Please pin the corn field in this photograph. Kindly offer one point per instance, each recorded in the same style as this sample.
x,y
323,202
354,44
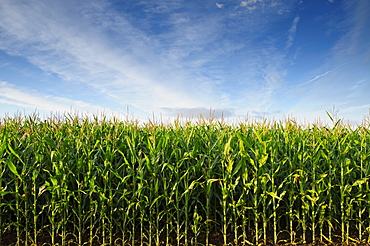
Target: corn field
x,y
84,181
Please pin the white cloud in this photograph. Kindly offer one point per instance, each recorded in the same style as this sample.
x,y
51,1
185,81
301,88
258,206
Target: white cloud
x,y
249,2
181,68
245,3
220,5
315,78
78,50
197,112
13,95
336,81
354,42
342,76
292,31
357,84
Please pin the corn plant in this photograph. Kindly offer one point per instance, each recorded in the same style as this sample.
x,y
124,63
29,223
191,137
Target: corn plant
x,y
100,180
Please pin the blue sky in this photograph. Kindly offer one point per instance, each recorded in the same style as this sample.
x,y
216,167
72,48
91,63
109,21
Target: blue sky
x,y
252,58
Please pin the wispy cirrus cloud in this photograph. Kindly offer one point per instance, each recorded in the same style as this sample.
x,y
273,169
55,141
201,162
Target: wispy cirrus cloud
x,y
175,56
292,32
14,95
81,52
336,80
315,78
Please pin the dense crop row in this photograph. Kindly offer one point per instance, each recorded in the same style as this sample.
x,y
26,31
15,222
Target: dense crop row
x,y
119,182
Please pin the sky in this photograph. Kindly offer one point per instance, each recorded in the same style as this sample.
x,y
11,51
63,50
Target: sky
x,y
235,59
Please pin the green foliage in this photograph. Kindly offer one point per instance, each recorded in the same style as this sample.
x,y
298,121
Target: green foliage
x,y
122,182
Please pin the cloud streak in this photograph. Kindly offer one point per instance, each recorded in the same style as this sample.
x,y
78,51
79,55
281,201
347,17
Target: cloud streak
x,y
315,78
175,57
13,95
338,76
147,72
292,32
81,53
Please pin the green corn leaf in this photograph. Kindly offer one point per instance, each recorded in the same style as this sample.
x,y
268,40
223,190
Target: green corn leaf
x,y
16,155
360,182
274,195
12,168
212,180
3,193
42,189
262,160
229,166
227,147
191,186
54,181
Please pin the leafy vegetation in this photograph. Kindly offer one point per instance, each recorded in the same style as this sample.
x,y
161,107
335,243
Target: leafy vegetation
x,y
120,182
